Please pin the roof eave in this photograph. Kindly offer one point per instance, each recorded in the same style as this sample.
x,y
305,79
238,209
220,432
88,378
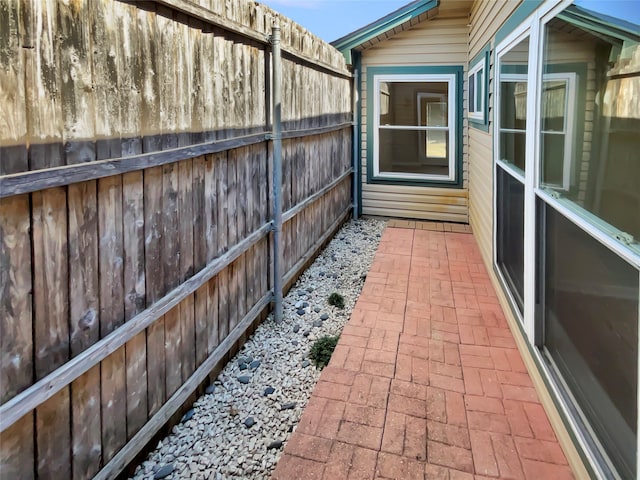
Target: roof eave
x,y
383,25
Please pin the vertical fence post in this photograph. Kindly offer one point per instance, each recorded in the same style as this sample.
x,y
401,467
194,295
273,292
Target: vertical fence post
x,y
356,145
277,171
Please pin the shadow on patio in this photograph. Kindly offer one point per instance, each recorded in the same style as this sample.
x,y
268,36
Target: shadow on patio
x,y
426,381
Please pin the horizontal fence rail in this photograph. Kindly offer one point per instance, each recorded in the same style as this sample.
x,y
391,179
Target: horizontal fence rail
x,y
33,181
146,433
47,387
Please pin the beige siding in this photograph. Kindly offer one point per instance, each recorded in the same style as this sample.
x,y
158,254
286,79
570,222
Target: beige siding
x,y
440,41
487,16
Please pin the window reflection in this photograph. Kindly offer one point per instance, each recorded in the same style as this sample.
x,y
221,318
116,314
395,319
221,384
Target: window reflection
x,y
590,155
513,105
598,165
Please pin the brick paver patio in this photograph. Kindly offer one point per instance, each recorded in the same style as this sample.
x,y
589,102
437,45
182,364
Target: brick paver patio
x,y
426,381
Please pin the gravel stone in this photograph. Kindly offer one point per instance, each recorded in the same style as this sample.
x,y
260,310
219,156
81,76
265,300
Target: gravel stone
x,y
188,415
317,323
255,364
216,443
249,422
324,316
163,472
288,406
301,312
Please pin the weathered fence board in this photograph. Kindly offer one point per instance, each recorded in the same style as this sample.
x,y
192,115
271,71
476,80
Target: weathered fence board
x,y
135,211
16,341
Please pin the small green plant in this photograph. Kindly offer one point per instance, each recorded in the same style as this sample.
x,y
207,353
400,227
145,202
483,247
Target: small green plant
x,y
321,350
336,300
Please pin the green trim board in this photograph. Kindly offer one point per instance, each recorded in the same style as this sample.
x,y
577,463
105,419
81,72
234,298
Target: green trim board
x,y
484,54
520,14
458,71
404,14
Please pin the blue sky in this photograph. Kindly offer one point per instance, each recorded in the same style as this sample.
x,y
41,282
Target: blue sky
x,y
332,19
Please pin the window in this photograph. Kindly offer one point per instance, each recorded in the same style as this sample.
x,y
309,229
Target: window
x,y
567,212
413,124
478,88
477,91
511,120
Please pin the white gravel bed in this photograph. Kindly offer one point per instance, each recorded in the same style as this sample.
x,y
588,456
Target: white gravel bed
x,y
213,440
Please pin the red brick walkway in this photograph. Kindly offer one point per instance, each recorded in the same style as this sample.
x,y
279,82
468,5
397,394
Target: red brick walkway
x,y
426,381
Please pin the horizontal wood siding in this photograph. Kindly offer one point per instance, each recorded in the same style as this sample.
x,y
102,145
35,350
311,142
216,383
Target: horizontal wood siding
x,y
487,16
439,41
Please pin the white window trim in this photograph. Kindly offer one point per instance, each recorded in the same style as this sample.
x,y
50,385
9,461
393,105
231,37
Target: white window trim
x,y
568,127
471,77
451,118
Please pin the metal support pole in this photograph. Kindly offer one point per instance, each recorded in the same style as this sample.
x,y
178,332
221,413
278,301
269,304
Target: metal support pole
x,y
277,171
356,146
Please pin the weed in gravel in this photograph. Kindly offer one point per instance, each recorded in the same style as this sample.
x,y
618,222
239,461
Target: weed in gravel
x,y
336,300
321,350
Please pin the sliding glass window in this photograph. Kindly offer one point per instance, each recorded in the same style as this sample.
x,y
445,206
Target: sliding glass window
x,y
589,219
567,212
510,168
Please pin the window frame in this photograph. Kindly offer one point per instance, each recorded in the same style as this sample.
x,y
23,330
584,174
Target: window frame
x,y
481,62
451,74
568,128
479,68
530,20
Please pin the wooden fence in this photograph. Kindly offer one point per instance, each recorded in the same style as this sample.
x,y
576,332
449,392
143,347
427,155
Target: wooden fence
x,y
135,211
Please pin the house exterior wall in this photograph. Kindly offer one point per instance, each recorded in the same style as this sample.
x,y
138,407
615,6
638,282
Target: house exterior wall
x,y
437,42
487,17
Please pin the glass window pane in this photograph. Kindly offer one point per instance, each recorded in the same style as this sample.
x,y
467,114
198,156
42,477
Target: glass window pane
x,y
472,93
413,103
512,148
601,113
552,147
590,312
512,104
436,144
510,233
433,110
554,105
413,151
479,89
